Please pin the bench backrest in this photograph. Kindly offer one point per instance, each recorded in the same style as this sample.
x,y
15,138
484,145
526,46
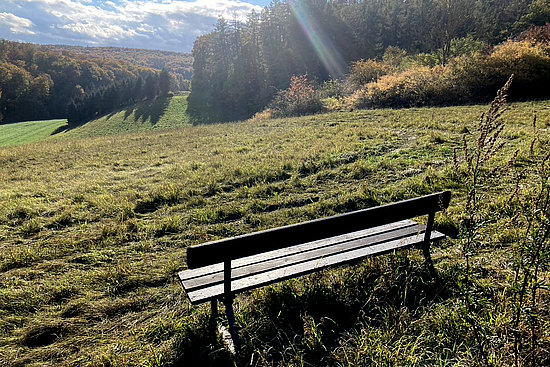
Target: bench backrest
x,y
258,242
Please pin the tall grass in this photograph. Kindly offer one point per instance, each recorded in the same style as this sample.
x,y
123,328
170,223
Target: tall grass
x,y
93,230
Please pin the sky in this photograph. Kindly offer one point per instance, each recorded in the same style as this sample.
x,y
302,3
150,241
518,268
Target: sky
x,y
171,25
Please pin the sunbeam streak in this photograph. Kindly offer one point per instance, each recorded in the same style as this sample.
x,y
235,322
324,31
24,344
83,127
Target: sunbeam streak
x,y
323,45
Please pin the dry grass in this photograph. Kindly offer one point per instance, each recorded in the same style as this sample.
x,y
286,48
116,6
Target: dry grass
x,y
93,231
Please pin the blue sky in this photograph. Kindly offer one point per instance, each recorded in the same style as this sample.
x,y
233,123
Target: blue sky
x,y
170,25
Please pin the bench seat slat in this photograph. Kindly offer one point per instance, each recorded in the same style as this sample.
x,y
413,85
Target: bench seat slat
x,y
306,252
306,267
287,251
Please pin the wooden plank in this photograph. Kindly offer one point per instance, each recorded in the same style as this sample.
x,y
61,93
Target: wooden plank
x,y
246,245
288,256
281,260
287,251
304,268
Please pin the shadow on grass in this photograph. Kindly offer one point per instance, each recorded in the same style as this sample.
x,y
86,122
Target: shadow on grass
x,y
61,129
305,319
152,110
199,345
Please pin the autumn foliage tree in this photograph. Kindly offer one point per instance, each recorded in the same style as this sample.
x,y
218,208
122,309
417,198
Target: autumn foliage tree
x,y
38,84
299,99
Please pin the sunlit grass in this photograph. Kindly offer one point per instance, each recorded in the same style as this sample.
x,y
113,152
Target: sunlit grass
x,y
93,230
28,132
162,113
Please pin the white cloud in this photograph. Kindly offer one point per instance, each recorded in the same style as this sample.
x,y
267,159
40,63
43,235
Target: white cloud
x,y
15,24
168,24
104,31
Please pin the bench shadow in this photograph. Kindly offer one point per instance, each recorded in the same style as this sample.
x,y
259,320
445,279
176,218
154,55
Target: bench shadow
x,y
199,345
333,302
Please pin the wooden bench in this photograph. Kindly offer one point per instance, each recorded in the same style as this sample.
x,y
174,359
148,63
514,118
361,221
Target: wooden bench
x,y
218,270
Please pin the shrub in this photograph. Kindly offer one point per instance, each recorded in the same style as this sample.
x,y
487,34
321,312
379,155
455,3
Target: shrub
x,y
299,99
458,47
394,56
332,88
470,78
530,64
540,34
366,71
406,89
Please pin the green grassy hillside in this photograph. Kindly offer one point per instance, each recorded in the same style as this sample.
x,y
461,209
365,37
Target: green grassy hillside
x,y
160,114
93,231
163,113
28,132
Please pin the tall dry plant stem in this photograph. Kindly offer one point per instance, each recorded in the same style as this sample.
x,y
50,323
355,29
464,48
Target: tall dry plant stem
x,y
478,156
532,256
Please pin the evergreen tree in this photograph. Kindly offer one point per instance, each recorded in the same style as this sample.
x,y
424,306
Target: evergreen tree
x,y
165,82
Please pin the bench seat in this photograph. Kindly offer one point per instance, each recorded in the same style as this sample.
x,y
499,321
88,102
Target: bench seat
x,y
207,283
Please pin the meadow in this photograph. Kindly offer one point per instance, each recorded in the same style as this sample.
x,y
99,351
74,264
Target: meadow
x,y
94,229
161,113
28,132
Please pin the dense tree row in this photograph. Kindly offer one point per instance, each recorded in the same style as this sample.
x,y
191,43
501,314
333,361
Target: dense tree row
x,y
105,99
239,67
180,65
37,84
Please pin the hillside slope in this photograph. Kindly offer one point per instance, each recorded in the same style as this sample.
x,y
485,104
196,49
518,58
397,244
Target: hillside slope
x,y
176,62
29,132
160,114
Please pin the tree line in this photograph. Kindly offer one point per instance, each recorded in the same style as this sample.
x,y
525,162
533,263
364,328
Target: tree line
x,y
37,84
178,64
240,66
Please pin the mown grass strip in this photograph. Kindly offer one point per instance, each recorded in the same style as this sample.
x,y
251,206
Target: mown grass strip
x,y
28,132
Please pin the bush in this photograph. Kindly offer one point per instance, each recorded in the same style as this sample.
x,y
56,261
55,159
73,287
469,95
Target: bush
x,y
299,99
413,87
366,71
530,64
539,34
458,47
470,78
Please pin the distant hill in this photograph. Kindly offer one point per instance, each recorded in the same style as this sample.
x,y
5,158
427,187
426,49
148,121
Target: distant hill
x,y
37,83
178,63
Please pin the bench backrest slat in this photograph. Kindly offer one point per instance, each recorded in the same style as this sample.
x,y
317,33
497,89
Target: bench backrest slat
x,y
273,239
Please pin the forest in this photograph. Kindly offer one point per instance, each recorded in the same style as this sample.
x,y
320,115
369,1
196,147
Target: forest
x,y
38,83
240,68
179,64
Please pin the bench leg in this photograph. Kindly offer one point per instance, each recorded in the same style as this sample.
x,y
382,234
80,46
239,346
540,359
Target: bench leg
x,y
214,309
429,261
231,320
426,245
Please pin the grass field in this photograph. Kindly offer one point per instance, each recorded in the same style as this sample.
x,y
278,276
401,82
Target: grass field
x,y
163,113
28,132
160,114
93,231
